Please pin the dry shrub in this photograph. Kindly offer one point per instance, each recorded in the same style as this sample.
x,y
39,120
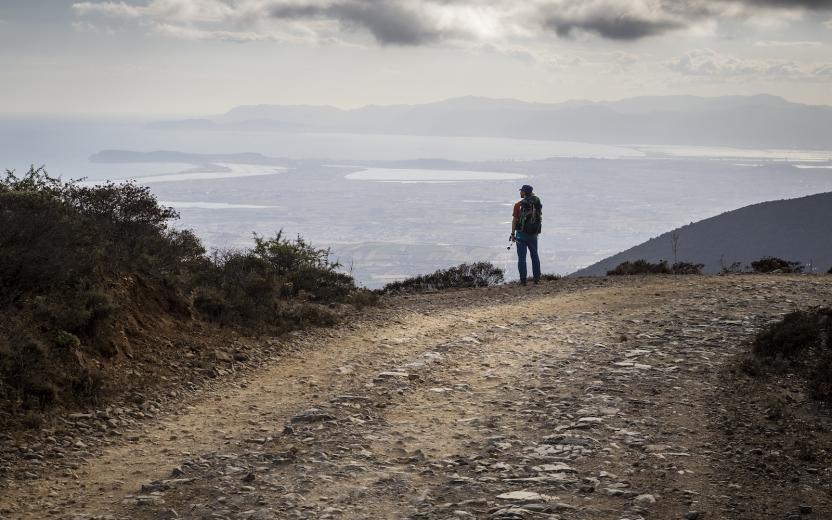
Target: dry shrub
x,y
79,261
642,266
772,264
801,342
479,274
686,268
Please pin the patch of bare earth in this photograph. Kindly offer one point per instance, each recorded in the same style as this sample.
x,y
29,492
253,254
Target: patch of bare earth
x,y
577,399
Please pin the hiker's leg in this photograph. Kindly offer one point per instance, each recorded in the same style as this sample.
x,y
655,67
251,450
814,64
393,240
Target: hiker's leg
x,y
532,243
521,260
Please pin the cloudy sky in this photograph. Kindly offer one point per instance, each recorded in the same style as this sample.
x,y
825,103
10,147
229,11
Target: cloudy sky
x,y
185,57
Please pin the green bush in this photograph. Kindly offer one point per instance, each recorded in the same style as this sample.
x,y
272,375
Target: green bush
x,y
67,236
771,264
801,341
480,274
253,287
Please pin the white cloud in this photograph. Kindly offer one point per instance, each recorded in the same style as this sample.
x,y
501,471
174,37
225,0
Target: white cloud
x,y
823,71
82,26
193,33
707,62
774,43
170,10
114,9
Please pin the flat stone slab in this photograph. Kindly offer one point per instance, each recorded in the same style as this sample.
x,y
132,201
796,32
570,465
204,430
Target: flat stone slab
x,y
524,496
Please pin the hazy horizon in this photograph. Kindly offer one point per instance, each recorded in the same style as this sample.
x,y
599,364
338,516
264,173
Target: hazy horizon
x,y
190,57
149,117
620,162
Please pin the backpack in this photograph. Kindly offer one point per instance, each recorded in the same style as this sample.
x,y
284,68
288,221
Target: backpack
x,y
531,215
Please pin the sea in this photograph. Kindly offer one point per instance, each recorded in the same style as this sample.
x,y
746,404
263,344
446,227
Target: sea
x,y
392,206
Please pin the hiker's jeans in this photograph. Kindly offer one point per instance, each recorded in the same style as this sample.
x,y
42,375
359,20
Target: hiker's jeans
x,y
524,242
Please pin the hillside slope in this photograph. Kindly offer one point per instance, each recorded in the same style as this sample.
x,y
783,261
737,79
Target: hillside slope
x,y
794,229
582,398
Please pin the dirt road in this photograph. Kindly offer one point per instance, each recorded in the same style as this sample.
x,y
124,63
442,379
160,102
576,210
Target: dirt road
x,y
578,399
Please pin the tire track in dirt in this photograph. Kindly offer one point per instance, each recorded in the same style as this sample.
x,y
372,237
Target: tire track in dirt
x,y
437,405
328,363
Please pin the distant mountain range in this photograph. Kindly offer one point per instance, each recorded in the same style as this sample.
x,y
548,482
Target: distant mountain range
x,y
761,121
795,229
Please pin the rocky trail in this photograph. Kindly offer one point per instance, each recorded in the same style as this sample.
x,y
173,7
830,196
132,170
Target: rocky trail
x,y
576,399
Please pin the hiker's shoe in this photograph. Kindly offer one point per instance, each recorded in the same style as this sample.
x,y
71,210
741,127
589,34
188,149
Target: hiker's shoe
x,y
536,281
523,282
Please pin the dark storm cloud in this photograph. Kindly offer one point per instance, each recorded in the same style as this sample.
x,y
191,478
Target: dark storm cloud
x,y
389,23
805,4
636,19
615,27
422,22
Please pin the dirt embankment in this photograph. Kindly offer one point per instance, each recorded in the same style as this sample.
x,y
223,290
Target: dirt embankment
x,y
576,399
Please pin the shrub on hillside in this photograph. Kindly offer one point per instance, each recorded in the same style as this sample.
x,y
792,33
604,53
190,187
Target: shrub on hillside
x,y
639,267
65,248
550,277
253,287
802,341
686,268
77,262
732,268
629,268
480,274
771,264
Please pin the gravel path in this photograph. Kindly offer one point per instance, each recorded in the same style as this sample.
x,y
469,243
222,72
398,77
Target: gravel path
x,y
577,399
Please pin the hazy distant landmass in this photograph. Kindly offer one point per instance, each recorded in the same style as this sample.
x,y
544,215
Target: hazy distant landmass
x,y
167,156
761,121
794,229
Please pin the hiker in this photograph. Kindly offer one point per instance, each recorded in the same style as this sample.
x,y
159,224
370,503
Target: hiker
x,y
525,226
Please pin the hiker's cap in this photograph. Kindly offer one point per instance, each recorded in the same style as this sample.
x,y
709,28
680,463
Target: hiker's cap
x,y
526,188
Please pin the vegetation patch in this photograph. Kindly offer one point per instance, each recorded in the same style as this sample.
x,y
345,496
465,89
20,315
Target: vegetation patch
x,y
550,277
86,270
276,286
686,268
771,264
480,274
801,342
732,268
642,266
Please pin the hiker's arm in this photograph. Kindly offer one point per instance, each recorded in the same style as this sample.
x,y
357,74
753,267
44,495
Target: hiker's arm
x,y
513,226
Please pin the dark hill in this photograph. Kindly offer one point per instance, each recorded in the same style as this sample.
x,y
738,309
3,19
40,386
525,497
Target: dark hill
x,y
795,229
